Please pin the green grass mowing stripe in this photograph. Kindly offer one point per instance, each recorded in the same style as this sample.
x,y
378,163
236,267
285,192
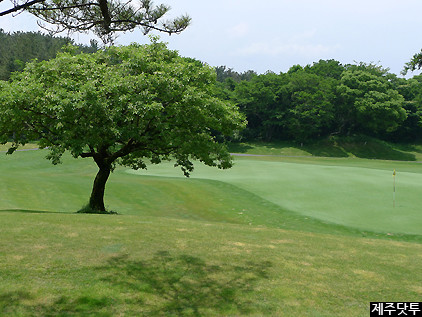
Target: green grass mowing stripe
x,y
29,181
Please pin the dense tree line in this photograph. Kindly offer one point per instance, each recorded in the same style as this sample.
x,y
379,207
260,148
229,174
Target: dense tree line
x,y
16,49
303,104
325,98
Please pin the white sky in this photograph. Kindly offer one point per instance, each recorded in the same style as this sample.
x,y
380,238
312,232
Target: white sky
x,y
277,34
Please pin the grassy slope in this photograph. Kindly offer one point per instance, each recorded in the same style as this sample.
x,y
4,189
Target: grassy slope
x,y
182,247
358,147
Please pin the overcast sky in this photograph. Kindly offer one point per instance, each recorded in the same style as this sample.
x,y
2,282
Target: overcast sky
x,y
277,34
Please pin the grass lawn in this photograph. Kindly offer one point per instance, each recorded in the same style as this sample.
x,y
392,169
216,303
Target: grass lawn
x,y
274,236
68,264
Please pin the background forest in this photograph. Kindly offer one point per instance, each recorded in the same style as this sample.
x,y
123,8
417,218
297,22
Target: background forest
x,y
16,49
304,104
326,99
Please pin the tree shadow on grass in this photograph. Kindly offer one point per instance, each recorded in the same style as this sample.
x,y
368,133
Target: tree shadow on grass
x,y
361,147
239,147
15,303
187,286
10,301
409,147
165,285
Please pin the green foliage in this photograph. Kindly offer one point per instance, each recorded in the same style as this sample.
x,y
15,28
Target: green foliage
x,y
224,73
411,129
327,98
311,109
18,48
326,68
297,105
303,105
258,99
414,64
372,101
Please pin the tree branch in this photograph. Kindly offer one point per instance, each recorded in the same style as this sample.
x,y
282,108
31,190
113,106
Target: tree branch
x,y
84,155
106,15
21,7
76,6
125,150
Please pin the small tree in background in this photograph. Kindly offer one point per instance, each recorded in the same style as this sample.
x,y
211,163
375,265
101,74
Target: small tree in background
x,y
414,64
120,106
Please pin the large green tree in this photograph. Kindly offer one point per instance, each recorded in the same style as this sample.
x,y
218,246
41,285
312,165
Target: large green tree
x,y
411,90
298,105
122,105
370,104
310,105
260,100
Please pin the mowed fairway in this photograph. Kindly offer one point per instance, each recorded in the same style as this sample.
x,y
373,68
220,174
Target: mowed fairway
x,y
350,192
271,237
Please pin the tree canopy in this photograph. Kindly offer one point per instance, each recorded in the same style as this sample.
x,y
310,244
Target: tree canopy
x,y
326,98
372,100
103,17
122,105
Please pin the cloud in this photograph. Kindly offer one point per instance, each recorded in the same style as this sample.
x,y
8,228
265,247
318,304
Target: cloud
x,y
239,30
304,44
262,48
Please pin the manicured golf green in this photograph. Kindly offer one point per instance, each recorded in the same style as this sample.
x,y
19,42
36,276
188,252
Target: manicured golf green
x,y
353,194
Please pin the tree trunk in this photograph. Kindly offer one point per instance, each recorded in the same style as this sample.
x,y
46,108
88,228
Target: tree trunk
x,y
96,202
